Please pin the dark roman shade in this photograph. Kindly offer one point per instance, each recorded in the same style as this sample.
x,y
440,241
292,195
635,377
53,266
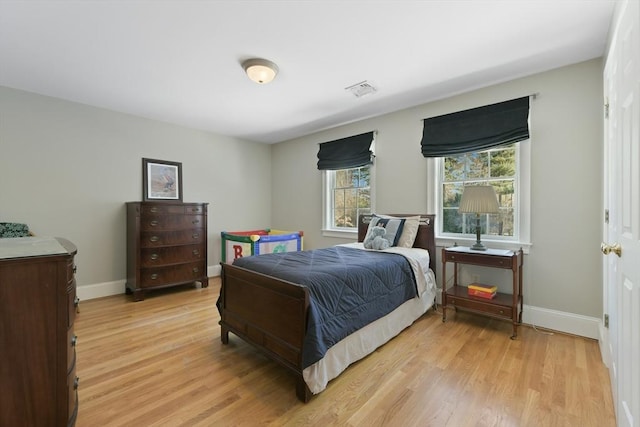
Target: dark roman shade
x,y
346,153
476,129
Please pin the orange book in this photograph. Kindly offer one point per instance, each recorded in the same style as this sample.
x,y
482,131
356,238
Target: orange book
x,y
483,288
481,294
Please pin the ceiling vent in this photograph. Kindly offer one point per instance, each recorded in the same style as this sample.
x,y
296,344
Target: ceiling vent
x,y
361,89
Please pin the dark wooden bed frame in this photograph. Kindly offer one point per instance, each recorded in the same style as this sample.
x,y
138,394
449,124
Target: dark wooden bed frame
x,y
271,313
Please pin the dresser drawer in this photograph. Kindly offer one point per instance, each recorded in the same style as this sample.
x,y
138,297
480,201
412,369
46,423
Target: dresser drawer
x,y
150,239
72,339
72,305
474,304
171,209
156,257
170,222
71,270
72,396
183,273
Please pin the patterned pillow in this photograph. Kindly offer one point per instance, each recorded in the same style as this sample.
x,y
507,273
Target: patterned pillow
x,y
409,231
393,226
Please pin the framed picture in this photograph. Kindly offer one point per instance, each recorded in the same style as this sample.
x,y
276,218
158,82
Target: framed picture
x,y
161,180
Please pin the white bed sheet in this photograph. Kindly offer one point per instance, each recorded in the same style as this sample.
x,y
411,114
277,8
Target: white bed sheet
x,y
364,341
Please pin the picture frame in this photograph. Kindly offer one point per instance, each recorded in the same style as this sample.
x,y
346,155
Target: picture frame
x,y
161,180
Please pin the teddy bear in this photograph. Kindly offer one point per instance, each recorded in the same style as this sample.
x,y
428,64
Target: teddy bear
x,y
375,239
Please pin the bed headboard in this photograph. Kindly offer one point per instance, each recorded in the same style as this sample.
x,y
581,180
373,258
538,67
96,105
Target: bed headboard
x,y
425,239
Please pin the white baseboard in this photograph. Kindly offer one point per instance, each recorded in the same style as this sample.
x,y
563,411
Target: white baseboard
x,y
605,351
560,321
99,290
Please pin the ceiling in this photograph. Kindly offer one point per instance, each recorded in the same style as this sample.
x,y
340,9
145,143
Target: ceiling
x,y
179,61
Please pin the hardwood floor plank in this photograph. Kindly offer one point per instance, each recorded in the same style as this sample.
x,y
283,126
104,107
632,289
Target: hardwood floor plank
x,y
160,362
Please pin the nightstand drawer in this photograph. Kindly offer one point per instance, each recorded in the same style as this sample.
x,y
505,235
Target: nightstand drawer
x,y
479,259
481,306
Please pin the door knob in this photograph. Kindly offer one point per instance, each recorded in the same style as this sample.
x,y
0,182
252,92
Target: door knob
x,y
615,248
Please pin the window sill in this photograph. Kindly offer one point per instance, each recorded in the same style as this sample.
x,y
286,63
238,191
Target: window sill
x,y
494,244
342,234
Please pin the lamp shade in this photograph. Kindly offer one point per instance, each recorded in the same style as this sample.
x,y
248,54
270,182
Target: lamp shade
x,y
479,199
260,70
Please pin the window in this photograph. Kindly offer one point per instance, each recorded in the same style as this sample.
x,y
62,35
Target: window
x,y
347,195
506,168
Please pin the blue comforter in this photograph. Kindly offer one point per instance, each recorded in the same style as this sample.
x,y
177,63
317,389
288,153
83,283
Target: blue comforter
x,y
349,289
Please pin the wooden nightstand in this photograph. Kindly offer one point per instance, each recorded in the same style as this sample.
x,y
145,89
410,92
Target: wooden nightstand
x,y
503,306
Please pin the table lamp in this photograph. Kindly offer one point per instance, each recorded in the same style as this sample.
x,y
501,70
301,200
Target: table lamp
x,y
479,199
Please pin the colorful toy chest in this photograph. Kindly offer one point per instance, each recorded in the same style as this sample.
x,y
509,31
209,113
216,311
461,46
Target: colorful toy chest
x,y
236,244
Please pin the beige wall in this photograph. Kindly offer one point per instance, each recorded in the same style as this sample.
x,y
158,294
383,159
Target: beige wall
x,y
67,169
563,269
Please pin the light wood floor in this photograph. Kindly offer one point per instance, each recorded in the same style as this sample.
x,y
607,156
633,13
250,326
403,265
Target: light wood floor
x,y
160,362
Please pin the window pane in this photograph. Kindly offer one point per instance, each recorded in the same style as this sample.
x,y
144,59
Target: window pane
x,y
478,165
340,218
364,198
338,199
454,168
505,192
503,162
452,221
451,194
344,178
350,218
364,176
351,198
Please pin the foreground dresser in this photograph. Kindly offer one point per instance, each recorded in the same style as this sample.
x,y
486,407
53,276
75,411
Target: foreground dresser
x,y
166,245
38,383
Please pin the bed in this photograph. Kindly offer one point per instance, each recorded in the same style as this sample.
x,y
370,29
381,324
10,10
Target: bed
x,y
280,317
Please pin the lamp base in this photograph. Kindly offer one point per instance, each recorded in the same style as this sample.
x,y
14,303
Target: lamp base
x,y
478,247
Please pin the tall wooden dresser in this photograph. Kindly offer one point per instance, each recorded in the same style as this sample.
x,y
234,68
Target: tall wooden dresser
x,y
166,245
38,383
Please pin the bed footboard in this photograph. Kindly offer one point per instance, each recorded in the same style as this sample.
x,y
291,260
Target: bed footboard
x,y
269,313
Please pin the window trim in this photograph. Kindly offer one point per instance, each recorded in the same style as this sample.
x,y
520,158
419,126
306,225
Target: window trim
x,y
327,188
522,221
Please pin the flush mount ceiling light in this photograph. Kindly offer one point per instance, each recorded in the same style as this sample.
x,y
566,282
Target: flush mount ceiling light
x,y
260,70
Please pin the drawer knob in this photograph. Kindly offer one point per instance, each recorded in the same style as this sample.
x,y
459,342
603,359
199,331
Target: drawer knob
x,y
195,235
154,209
74,341
75,268
154,256
154,276
76,304
195,221
453,301
501,311
196,269
196,252
154,239
153,223
76,383
195,209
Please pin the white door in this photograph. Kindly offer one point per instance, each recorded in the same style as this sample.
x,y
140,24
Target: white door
x,y
622,197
